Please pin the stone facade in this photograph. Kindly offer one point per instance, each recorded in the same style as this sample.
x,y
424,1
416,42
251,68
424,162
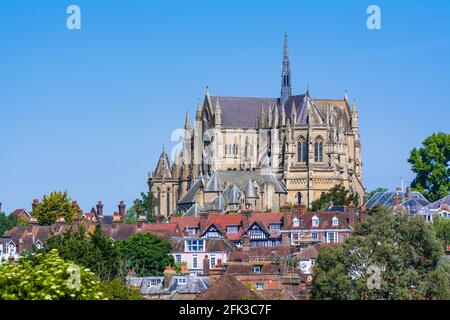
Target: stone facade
x,y
303,145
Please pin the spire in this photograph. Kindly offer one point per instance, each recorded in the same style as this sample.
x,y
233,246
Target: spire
x,y
283,115
163,167
286,72
294,113
198,114
187,122
354,109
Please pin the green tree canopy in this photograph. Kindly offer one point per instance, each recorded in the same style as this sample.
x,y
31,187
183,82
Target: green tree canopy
x,y
117,290
442,228
144,206
7,222
404,250
146,253
338,195
430,164
94,251
53,205
47,277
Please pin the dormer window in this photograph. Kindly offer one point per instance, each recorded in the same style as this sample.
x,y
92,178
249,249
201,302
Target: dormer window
x,y
335,222
296,222
191,230
232,229
274,226
315,221
256,269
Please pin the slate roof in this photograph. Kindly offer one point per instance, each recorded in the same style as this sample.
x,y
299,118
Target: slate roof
x,y
193,285
189,197
241,112
437,204
387,198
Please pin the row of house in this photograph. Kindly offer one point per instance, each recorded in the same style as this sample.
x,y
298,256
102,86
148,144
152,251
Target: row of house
x,y
271,253
411,202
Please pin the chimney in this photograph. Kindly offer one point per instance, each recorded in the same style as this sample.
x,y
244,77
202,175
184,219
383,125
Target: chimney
x,y
351,208
99,209
32,221
34,204
122,210
60,219
302,210
285,240
141,221
206,269
287,220
115,220
245,243
396,199
351,214
168,274
203,219
408,193
159,218
246,219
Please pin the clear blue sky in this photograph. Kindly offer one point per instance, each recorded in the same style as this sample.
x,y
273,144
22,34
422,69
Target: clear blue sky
x,y
88,110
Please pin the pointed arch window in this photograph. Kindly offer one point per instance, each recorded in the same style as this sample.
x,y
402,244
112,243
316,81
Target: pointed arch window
x,y
302,151
318,151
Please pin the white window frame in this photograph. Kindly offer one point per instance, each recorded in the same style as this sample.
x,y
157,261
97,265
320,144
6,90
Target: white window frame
x,y
334,222
315,221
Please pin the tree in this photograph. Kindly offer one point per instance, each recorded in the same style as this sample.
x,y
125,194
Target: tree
x,y
7,222
338,195
92,250
430,163
47,277
388,256
146,253
116,290
53,205
145,206
372,193
442,229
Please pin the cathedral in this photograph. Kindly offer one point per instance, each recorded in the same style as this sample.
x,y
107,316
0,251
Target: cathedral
x,y
260,153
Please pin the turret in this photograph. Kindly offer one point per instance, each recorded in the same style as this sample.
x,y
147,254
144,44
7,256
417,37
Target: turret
x,y
293,114
354,118
187,123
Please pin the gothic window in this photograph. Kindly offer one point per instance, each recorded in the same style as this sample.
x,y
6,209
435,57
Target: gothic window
x,y
318,151
302,151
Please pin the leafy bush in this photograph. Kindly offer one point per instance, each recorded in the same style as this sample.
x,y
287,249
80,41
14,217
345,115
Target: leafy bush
x,y
47,277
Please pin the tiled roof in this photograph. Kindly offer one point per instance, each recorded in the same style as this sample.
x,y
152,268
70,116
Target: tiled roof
x,y
325,220
227,287
308,253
